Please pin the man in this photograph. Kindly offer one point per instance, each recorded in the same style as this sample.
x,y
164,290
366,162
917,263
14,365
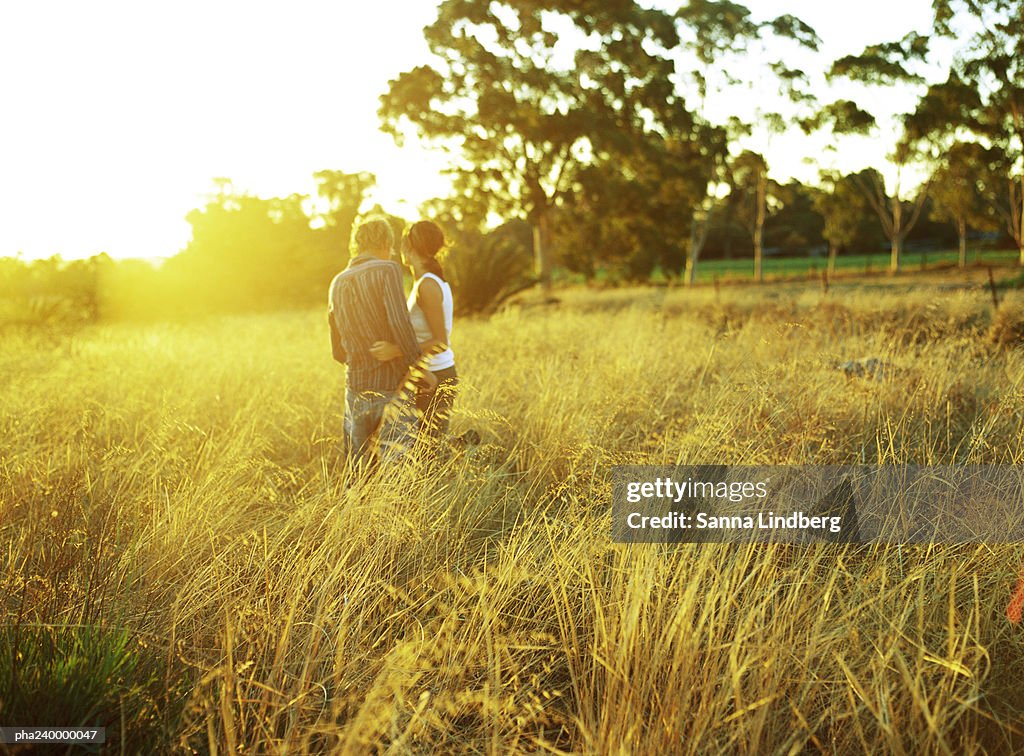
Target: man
x,y
366,304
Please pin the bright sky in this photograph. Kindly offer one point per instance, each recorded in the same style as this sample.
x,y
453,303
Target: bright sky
x,y
117,115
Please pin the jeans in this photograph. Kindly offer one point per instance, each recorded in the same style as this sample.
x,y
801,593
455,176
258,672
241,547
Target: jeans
x,y
378,425
436,406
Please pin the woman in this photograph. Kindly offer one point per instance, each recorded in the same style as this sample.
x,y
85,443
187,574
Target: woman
x,y
431,310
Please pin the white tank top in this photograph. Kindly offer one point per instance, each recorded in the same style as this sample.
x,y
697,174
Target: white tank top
x,y
445,359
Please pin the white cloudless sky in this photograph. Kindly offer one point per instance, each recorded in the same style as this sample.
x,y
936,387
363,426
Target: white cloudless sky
x,y
115,116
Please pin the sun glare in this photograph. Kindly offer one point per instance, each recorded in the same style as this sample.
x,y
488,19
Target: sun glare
x,y
125,114
122,114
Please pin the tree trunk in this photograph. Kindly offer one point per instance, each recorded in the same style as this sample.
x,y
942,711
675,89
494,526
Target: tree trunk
x,y
833,250
698,235
1020,223
542,265
762,191
1015,219
961,229
897,235
895,254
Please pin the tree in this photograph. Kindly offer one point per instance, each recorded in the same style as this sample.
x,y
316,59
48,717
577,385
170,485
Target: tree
x,y
519,119
748,200
239,257
342,194
703,216
896,214
883,65
955,194
625,213
842,205
716,30
249,252
991,65
1000,191
795,225
982,97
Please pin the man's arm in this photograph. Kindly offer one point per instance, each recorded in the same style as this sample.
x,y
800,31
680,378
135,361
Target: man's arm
x,y
398,315
337,350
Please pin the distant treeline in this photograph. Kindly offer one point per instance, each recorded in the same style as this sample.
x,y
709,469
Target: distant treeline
x,y
605,165
798,221
606,147
248,253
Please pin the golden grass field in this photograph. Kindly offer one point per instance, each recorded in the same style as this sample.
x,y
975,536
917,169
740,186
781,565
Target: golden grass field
x,y
185,561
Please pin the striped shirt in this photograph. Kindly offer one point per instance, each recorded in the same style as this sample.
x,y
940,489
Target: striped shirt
x,y
367,304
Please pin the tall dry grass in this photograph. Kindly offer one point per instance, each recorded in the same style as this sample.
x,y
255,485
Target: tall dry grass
x,y
187,562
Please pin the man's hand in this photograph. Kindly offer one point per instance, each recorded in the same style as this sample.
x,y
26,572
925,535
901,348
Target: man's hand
x,y
428,381
418,382
385,351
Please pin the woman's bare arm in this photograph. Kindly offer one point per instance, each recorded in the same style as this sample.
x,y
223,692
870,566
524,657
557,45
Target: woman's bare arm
x,y
431,301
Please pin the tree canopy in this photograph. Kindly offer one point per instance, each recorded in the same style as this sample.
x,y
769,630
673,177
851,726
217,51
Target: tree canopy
x,y
985,90
523,111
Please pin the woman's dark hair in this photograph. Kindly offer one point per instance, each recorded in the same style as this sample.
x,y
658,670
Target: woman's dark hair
x,y
426,240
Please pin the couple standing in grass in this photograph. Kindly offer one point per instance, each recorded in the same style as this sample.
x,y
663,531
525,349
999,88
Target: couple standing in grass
x,y
401,369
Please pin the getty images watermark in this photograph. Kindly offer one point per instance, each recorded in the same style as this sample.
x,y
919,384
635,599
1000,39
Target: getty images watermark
x,y
818,503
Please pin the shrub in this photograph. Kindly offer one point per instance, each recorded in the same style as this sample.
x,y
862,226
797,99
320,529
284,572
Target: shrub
x,y
486,269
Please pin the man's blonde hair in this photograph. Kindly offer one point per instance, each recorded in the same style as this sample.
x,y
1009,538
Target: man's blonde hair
x,y
373,235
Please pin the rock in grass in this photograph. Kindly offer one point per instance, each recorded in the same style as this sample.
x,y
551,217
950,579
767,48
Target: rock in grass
x,y
869,367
